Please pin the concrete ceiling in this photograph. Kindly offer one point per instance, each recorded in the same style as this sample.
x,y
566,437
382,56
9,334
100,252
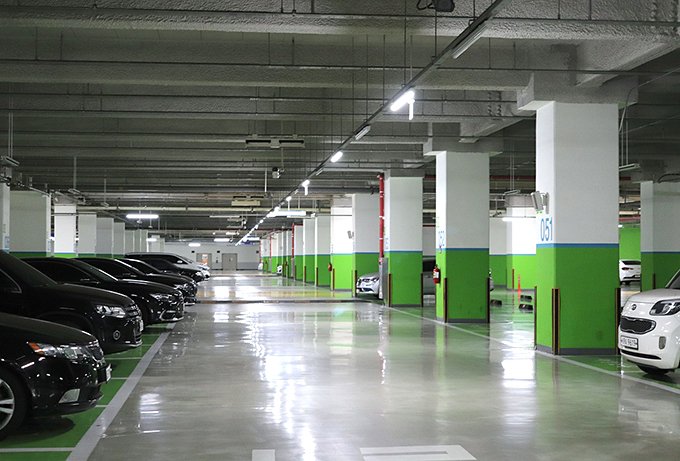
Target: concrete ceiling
x,y
147,104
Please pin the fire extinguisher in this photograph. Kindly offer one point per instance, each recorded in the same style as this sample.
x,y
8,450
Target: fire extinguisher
x,y
436,274
330,267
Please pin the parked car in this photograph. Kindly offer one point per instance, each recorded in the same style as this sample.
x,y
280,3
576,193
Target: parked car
x,y
46,369
114,319
177,260
158,303
124,271
629,270
649,330
167,267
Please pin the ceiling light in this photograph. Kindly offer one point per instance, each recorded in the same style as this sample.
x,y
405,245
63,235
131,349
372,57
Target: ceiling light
x,y
152,239
291,213
362,132
629,167
468,41
142,216
289,198
406,98
225,216
221,239
194,244
305,183
337,156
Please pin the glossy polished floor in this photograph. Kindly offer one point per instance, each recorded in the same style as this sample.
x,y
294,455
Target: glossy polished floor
x,y
330,380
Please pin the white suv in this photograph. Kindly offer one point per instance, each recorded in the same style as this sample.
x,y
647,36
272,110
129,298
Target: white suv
x,y
649,331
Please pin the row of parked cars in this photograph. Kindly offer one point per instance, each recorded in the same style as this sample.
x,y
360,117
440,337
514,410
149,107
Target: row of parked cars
x,y
58,317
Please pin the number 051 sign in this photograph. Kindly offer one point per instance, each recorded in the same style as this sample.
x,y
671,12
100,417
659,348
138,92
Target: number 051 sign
x,y
546,229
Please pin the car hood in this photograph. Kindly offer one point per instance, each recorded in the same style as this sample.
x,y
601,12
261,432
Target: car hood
x,y
369,276
66,293
653,296
28,329
168,278
143,287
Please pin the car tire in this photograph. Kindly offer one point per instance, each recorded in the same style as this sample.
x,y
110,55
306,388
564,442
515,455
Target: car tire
x,y
654,371
12,398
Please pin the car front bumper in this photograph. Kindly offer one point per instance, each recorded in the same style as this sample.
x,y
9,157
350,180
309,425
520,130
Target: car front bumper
x,y
649,352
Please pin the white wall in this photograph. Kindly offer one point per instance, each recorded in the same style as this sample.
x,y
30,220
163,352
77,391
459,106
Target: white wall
x,y
248,255
30,221
498,237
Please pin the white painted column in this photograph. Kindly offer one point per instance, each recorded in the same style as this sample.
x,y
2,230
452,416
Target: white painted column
x,y
87,234
341,243
65,231
287,252
141,237
104,237
429,240
297,252
4,217
118,239
322,250
498,250
130,241
308,243
265,253
30,223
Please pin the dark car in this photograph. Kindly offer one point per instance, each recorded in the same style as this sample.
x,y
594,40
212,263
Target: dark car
x,y
46,369
114,319
158,303
124,271
167,267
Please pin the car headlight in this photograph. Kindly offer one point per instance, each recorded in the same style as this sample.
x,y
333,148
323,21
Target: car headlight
x,y
110,311
162,296
61,352
666,307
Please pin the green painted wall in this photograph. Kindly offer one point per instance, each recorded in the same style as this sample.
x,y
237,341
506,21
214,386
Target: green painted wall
x,y
67,255
105,255
276,260
364,263
343,271
587,277
499,269
298,267
659,266
266,262
629,243
85,255
466,272
321,267
406,269
525,271
287,267
308,268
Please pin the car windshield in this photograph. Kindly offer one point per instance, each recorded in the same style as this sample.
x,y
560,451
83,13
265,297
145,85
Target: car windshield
x,y
630,262
142,266
24,273
95,273
674,284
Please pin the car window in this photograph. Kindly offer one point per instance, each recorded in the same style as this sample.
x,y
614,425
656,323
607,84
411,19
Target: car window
x,y
7,285
62,273
631,262
107,266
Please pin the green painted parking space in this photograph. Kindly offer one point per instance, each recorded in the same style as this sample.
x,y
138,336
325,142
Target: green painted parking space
x,y
63,433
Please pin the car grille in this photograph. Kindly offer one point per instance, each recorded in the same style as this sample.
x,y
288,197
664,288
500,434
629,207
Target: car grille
x,y
132,310
637,326
96,351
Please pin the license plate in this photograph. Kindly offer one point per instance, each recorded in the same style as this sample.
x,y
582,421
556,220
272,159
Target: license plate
x,y
628,343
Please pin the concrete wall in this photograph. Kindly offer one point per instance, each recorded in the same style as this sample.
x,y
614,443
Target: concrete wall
x,y
248,255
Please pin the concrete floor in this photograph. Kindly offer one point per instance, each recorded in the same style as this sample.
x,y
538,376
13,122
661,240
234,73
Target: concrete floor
x,y
356,381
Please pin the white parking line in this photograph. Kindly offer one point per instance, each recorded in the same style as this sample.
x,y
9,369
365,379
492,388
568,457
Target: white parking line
x,y
264,455
418,453
33,450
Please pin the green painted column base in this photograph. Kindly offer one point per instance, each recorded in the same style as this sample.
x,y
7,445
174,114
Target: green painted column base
x,y
364,263
66,255
343,272
658,268
298,267
405,278
498,265
308,269
105,255
464,274
587,279
322,277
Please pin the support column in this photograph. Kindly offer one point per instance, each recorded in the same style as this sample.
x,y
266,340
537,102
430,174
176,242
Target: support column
x,y
521,237
4,216
660,241
287,253
577,251
403,238
265,255
65,244
130,246
297,251
341,244
104,246
142,238
462,226
322,250
365,238
498,251
30,223
118,239
87,234
274,252
308,242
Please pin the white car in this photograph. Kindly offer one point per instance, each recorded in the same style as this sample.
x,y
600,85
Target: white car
x,y
629,270
649,331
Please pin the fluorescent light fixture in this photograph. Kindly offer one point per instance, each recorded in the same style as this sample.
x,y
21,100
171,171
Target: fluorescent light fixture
x,y
291,213
362,132
225,216
221,240
194,244
152,239
142,216
468,41
289,198
337,156
406,98
253,239
305,183
629,167
620,226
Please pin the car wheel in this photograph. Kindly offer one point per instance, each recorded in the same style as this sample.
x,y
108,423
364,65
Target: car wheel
x,y
653,371
13,404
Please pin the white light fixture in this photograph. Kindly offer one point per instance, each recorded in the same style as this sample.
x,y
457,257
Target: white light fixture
x,y
289,198
290,214
152,239
409,98
629,167
194,244
337,156
225,216
221,240
468,41
305,183
362,132
142,216
277,208
620,226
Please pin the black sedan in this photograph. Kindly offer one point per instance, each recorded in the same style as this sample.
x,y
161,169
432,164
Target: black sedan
x,y
124,271
167,267
46,369
158,303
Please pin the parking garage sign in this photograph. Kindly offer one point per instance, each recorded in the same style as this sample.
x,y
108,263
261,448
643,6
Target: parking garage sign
x,y
546,229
